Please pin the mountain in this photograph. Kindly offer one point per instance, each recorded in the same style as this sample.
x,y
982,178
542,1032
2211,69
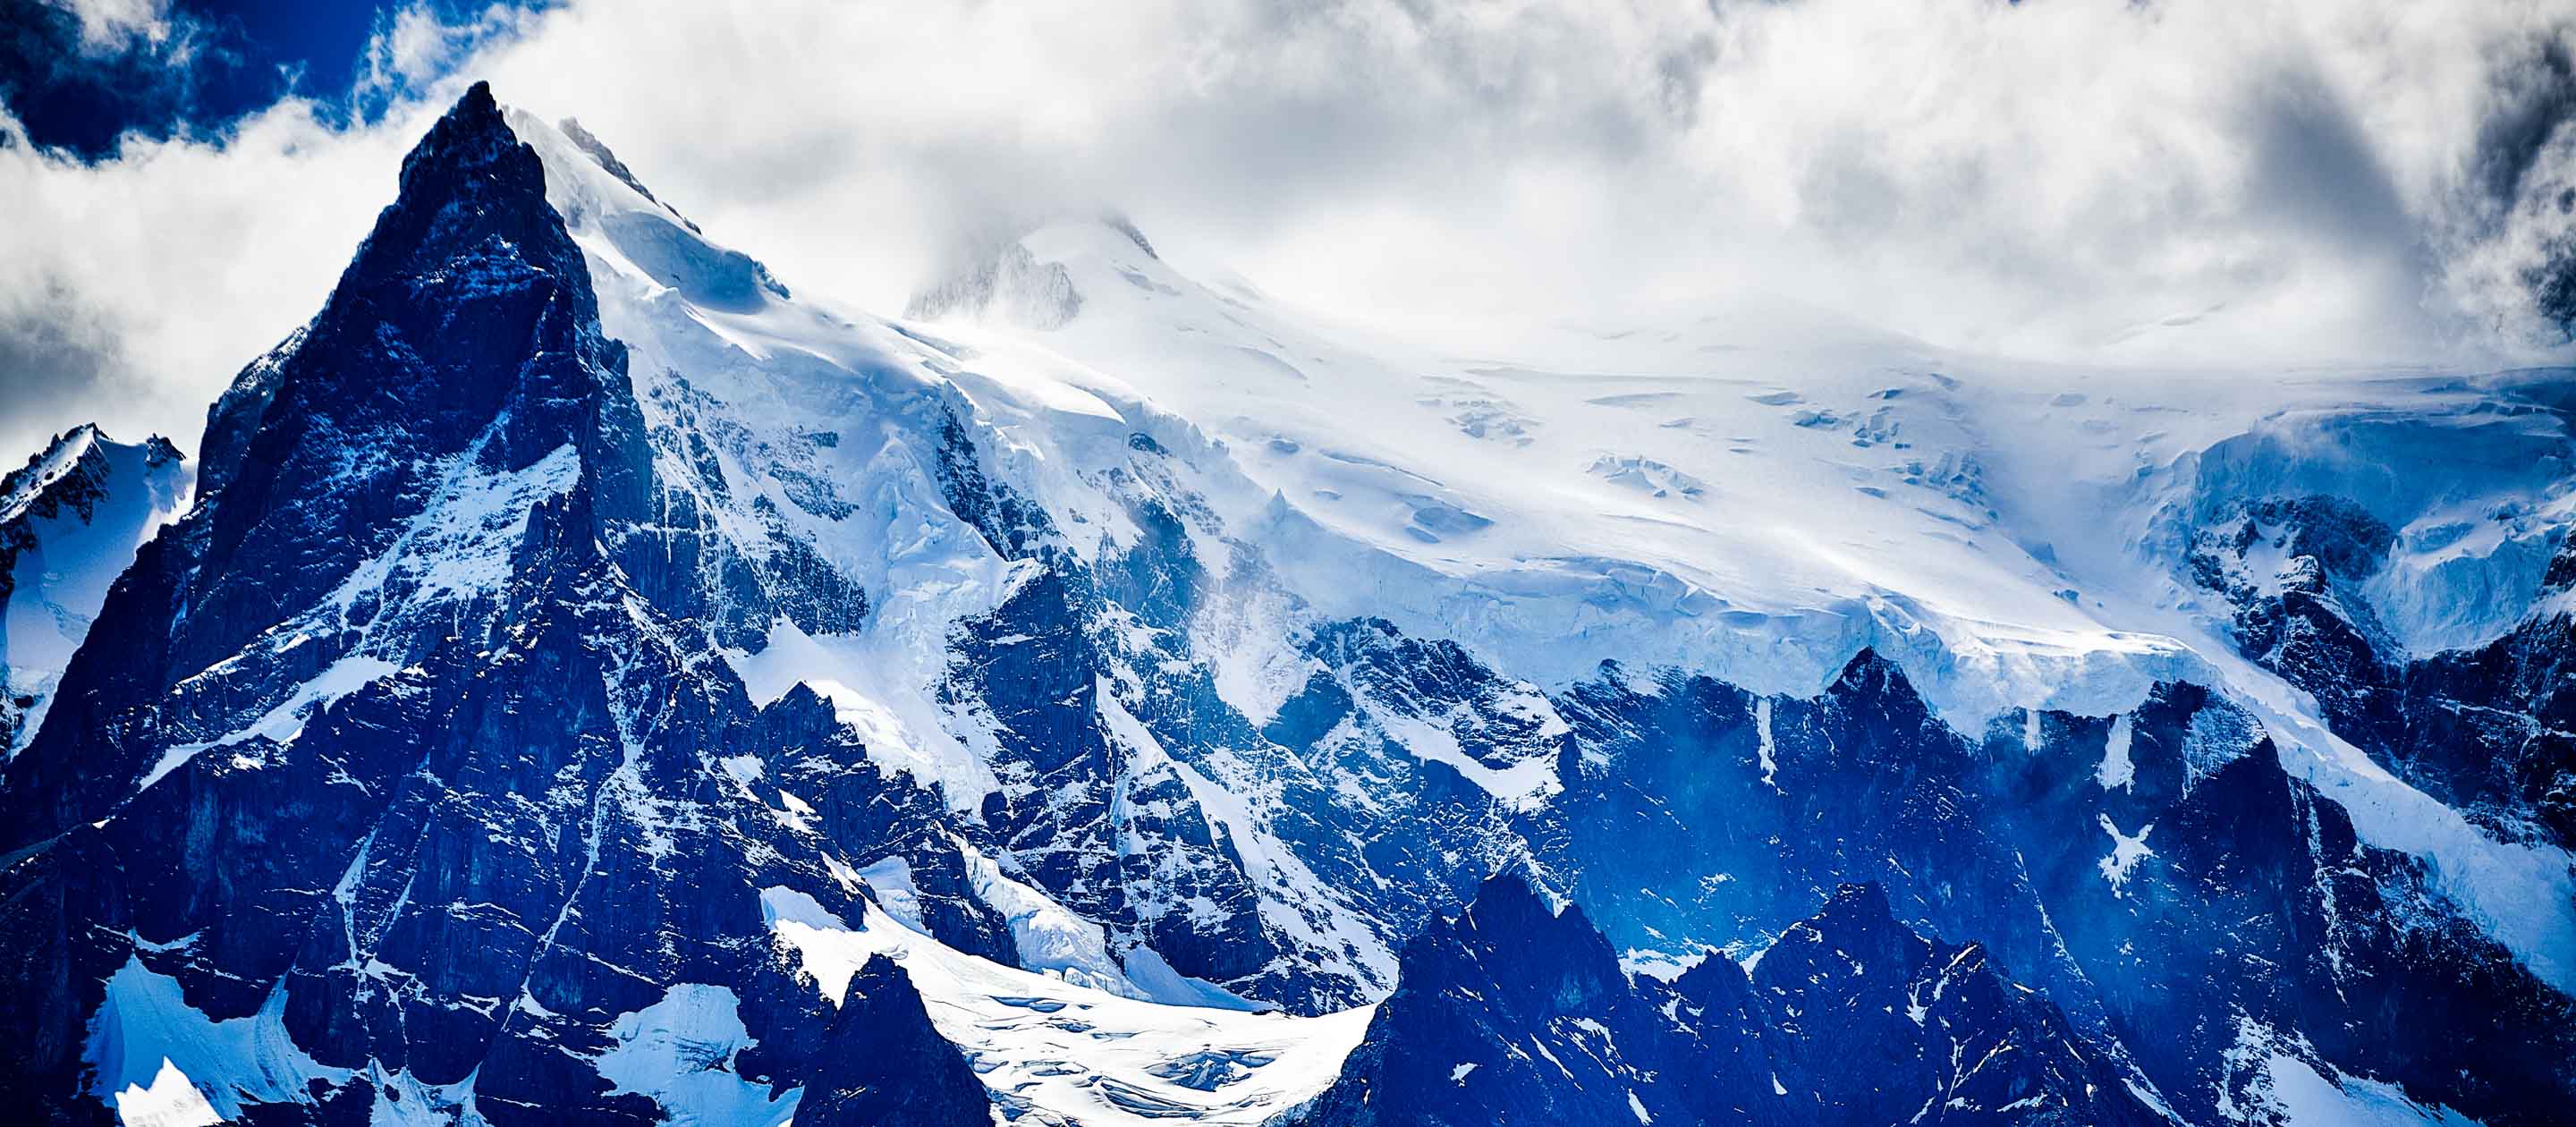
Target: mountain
x,y
70,520
881,1062
395,791
1513,1013
2478,725
594,681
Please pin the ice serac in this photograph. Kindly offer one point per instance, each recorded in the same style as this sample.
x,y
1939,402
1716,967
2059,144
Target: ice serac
x,y
70,521
1513,1013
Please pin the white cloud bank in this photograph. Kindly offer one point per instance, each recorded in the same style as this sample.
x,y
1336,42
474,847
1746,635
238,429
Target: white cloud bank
x,y
2295,183
110,24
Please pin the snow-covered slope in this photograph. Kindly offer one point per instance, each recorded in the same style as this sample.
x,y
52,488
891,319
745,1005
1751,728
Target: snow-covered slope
x,y
1765,492
70,520
1762,507
587,654
1074,1053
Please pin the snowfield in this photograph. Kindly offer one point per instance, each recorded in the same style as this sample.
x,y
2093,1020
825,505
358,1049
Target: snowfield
x,y
1734,496
1075,1054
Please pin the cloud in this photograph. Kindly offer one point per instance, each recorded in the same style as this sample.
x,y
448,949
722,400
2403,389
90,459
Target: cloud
x,y
116,25
2059,179
156,275
414,46
85,67
58,356
2309,182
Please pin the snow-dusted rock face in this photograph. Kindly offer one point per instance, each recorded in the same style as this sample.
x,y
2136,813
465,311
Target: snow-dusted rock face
x,y
1707,817
70,520
400,775
1512,1013
597,682
2425,614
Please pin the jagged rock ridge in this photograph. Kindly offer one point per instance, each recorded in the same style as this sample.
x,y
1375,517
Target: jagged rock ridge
x,y
1513,1013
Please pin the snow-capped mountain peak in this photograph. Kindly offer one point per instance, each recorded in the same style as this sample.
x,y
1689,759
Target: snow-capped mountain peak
x,y
70,520
599,679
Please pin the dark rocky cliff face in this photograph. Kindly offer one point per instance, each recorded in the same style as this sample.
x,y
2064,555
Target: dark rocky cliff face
x,y
1710,812
2480,728
469,868
1510,1013
882,1064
